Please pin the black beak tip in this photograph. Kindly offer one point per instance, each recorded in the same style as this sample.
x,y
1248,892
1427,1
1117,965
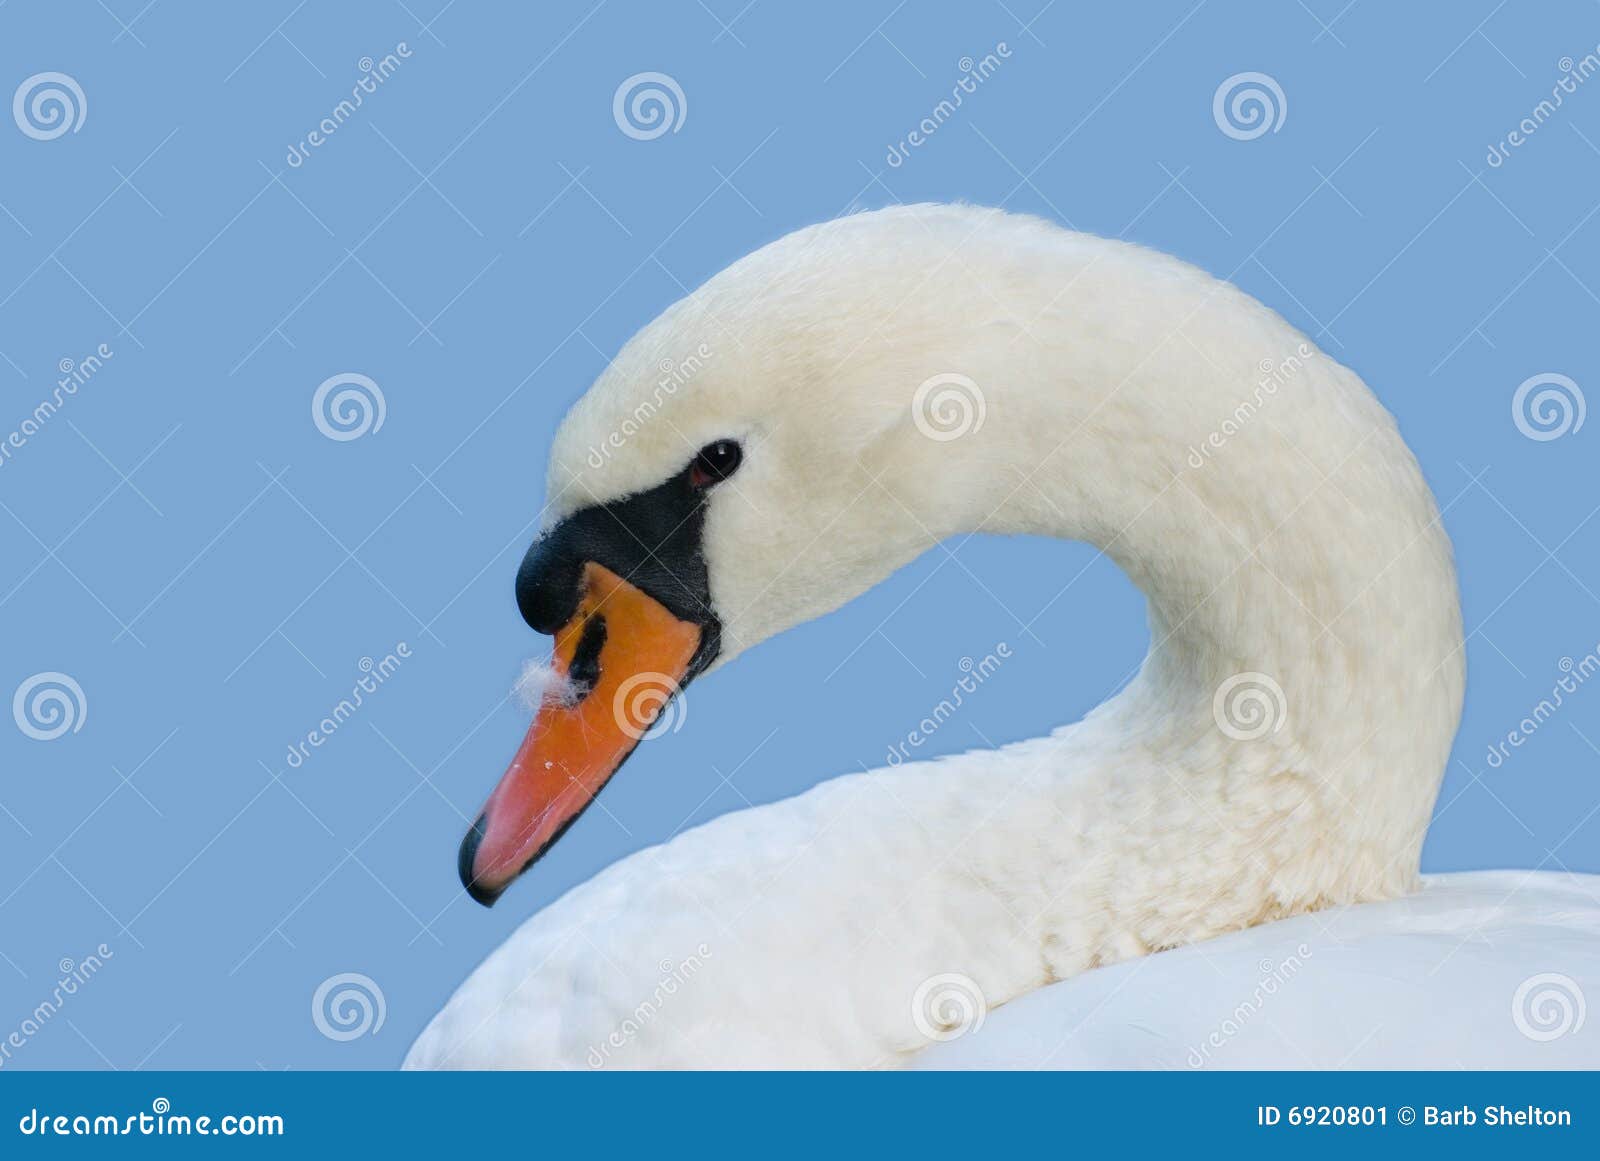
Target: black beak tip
x,y
480,892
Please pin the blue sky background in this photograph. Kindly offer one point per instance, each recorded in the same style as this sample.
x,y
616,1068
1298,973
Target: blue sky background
x,y
478,239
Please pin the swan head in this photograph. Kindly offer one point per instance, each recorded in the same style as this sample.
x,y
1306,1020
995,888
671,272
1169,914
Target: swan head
x,y
728,476
827,408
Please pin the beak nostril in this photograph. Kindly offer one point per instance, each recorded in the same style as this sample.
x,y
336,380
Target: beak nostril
x,y
584,670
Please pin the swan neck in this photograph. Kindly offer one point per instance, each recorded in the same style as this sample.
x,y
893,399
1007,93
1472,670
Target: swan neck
x,y
1301,591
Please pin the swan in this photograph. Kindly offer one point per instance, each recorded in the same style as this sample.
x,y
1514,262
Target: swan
x,y
813,418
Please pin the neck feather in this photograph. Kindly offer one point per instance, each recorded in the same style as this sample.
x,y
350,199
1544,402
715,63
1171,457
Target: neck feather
x,y
1303,610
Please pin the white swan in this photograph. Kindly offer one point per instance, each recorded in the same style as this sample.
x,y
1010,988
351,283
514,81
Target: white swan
x,y
813,418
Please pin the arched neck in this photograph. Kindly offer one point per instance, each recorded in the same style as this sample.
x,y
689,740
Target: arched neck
x,y
1302,597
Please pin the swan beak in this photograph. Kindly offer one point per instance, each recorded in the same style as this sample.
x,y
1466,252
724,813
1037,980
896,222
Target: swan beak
x,y
622,657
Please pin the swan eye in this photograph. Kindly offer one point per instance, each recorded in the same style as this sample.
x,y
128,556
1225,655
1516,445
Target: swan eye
x,y
715,463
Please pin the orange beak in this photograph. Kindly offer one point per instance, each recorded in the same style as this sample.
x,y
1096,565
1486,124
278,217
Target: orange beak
x,y
624,657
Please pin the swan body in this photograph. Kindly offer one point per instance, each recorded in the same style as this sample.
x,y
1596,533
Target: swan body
x,y
1488,969
1279,751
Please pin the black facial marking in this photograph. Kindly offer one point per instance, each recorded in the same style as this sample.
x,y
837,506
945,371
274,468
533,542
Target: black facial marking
x,y
651,539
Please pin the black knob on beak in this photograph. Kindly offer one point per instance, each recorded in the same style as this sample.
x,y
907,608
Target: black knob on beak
x,y
548,580
651,539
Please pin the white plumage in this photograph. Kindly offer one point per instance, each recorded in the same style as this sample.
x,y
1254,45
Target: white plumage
x,y
1491,969
1279,752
